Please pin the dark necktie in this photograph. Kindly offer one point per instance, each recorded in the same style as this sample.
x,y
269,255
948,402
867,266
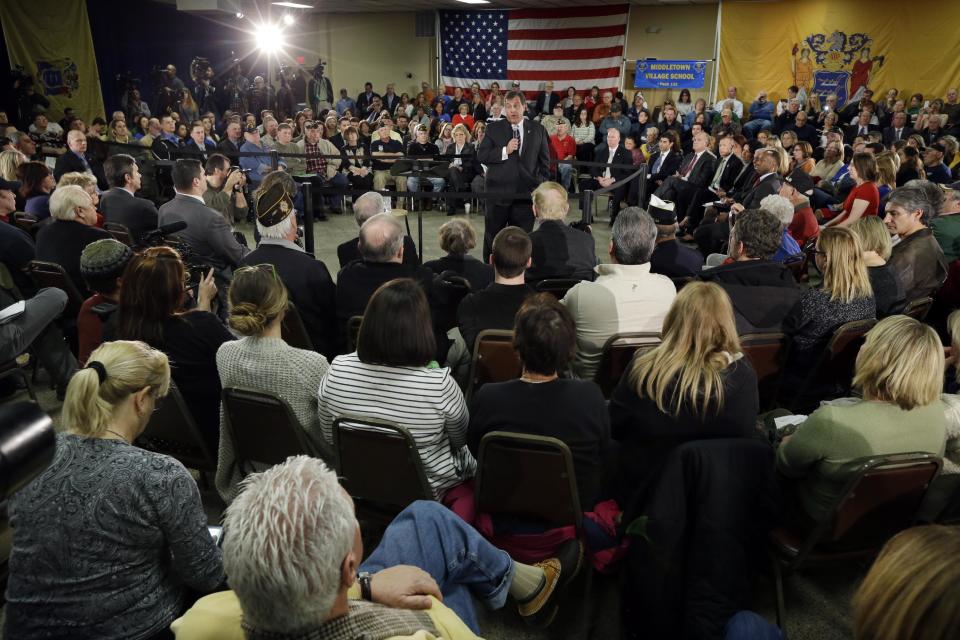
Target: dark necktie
x,y
689,166
863,131
756,181
656,165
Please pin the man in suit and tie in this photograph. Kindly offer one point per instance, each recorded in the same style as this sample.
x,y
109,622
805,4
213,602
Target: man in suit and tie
x,y
861,128
728,168
695,173
120,204
365,100
196,145
766,181
207,232
232,141
75,159
390,99
611,153
517,155
898,129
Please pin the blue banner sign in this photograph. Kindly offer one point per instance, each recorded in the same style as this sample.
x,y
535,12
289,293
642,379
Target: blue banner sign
x,y
669,74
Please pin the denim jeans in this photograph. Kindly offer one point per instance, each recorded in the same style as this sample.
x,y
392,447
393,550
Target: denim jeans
x,y
752,128
565,174
413,184
430,536
747,625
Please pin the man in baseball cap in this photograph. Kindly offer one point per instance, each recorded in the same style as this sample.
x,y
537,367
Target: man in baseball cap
x,y
797,188
670,257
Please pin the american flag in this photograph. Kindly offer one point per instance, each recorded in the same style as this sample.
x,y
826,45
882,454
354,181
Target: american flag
x,y
578,46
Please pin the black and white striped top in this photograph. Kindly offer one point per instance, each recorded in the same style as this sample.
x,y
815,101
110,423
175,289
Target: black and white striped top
x,y
427,402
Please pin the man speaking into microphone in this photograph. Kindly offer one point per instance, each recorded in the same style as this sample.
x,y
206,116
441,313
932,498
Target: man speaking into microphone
x,y
517,155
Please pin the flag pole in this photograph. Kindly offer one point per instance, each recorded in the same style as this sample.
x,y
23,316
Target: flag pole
x,y
626,41
716,55
436,31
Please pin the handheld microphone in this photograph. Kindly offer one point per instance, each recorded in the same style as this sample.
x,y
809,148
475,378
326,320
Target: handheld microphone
x,y
163,231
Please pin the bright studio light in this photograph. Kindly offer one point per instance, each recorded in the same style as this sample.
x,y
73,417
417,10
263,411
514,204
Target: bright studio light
x,y
269,38
288,20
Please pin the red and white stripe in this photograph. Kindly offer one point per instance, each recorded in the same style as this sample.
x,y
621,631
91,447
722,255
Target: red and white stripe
x,y
580,47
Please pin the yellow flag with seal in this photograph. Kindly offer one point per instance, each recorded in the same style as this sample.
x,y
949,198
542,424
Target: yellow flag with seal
x,y
51,40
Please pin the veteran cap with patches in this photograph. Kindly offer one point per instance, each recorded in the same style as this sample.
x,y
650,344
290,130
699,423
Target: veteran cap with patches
x,y
274,205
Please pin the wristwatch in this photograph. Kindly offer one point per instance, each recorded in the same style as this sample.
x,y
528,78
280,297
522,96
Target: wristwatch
x,y
364,579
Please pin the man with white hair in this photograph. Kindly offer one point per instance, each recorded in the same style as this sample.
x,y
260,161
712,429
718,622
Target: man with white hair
x,y
419,582
782,208
364,208
626,296
72,229
308,281
381,246
75,159
559,250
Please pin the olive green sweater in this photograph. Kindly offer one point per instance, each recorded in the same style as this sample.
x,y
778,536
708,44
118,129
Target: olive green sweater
x,y
844,430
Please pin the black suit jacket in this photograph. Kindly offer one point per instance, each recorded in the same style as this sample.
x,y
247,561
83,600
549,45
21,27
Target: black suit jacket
x,y
311,290
390,102
853,131
890,135
62,241
702,172
560,251
467,163
348,251
671,164
363,102
742,182
68,163
523,170
730,172
137,214
357,281
553,99
769,185
230,150
620,156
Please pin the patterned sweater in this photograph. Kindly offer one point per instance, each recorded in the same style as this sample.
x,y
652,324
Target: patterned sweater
x,y
104,542
268,365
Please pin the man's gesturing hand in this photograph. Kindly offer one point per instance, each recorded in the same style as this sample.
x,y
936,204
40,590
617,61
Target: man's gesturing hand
x,y
404,587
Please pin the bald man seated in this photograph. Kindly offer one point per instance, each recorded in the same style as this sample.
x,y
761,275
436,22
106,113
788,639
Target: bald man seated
x,y
364,208
381,245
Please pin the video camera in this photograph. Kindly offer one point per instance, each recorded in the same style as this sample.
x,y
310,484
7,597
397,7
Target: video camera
x,y
160,237
200,69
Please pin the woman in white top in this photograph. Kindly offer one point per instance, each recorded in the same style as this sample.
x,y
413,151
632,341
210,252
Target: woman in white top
x,y
584,133
392,377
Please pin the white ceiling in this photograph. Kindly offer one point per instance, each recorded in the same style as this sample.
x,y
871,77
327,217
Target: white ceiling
x,y
367,6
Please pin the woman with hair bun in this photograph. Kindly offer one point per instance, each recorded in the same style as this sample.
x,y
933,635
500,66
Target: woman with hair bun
x,y
262,361
110,537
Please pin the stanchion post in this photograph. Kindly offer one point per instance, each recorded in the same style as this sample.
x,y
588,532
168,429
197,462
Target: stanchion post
x,y
586,206
274,159
307,216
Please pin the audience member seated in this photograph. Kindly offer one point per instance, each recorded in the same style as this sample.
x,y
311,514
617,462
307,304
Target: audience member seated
x,y
695,385
262,361
610,153
763,292
101,264
887,288
63,240
457,239
671,258
864,199
381,249
797,188
120,204
108,540
908,591
933,165
37,184
626,296
208,234
541,403
307,280
917,257
364,208
782,209
462,170
694,174
666,161
899,372
407,587
152,299
76,158
224,191
391,376
559,250
845,296
946,225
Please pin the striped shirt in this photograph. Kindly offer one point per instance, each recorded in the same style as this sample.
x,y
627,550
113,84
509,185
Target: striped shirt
x,y
427,402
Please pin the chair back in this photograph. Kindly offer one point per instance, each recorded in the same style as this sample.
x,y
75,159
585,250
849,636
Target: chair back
x,y
558,287
918,309
264,429
293,331
618,351
379,462
494,359
844,346
527,476
119,232
353,331
173,431
26,222
51,274
766,353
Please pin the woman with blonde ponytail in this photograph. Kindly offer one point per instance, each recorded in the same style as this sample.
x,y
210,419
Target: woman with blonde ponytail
x,y
695,385
262,361
108,538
